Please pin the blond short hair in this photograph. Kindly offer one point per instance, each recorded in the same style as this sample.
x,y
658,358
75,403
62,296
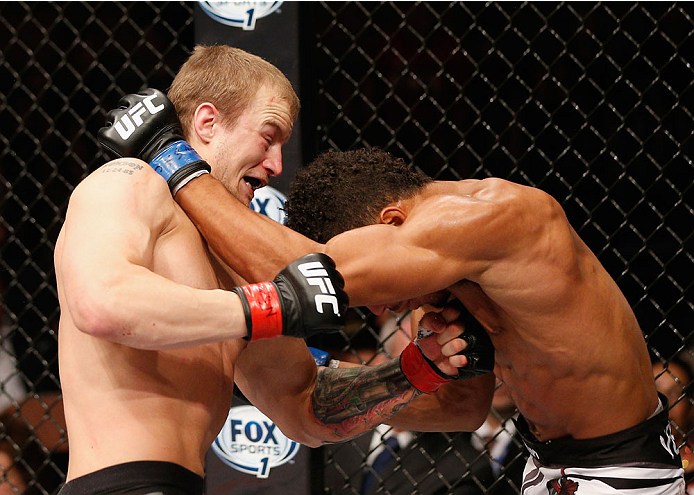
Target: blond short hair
x,y
228,78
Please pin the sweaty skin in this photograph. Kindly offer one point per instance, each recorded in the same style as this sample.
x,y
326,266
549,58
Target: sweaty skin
x,y
150,347
124,403
568,346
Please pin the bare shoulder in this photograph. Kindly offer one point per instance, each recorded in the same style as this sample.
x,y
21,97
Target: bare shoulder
x,y
490,190
482,222
122,176
491,197
124,186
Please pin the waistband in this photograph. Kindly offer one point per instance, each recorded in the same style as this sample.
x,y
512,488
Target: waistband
x,y
649,443
131,476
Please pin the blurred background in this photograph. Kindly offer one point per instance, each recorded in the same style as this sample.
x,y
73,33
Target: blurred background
x,y
591,102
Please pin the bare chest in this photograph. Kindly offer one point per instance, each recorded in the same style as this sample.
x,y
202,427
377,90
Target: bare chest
x,y
182,256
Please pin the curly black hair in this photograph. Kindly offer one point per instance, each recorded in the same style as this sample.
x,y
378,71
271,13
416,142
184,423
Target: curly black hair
x,y
343,190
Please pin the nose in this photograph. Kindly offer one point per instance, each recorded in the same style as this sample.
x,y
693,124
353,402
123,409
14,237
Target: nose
x,y
273,161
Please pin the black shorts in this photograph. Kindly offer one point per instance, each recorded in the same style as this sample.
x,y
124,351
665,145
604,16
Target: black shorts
x,y
649,442
643,459
137,478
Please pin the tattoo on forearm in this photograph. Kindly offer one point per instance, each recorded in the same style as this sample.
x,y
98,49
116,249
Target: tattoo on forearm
x,y
354,400
122,167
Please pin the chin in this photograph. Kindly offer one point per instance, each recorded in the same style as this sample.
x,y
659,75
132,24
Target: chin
x,y
243,197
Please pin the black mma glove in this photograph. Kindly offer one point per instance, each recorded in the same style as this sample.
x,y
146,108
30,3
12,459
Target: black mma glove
x,y
479,350
146,126
426,377
305,298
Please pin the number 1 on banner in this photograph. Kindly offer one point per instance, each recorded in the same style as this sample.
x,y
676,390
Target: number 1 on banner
x,y
250,21
264,470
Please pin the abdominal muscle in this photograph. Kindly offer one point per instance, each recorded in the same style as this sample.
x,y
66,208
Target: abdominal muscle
x,y
565,381
575,406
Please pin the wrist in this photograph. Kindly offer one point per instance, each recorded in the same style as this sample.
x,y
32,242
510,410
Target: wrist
x,y
262,309
177,185
420,371
178,163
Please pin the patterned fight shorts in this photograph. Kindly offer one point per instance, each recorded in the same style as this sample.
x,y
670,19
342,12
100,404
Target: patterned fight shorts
x,y
642,460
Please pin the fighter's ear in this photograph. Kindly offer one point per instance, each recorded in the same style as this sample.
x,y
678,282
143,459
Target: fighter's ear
x,y
392,215
206,116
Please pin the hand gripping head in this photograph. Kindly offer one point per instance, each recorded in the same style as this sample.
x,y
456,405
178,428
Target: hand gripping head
x,y
146,126
143,124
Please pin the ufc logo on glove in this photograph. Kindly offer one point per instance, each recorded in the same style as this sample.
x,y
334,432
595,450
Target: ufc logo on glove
x,y
126,125
316,274
293,303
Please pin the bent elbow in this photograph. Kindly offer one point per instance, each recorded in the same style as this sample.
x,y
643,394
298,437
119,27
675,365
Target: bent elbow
x,y
468,401
301,435
309,441
464,417
476,418
311,431
95,313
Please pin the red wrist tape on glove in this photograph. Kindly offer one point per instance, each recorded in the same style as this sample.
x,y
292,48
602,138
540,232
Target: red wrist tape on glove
x,y
266,312
418,372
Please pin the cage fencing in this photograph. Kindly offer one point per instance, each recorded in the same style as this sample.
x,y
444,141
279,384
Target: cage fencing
x,y
591,102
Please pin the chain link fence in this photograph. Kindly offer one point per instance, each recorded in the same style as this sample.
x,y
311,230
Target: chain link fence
x,y
591,102
62,65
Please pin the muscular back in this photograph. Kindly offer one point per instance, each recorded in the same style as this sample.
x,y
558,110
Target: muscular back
x,y
124,403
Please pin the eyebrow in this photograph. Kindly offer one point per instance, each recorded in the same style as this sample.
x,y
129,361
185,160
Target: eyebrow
x,y
284,136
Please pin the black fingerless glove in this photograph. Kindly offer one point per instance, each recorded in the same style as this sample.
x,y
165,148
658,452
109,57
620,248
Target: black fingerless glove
x,y
479,350
146,126
306,298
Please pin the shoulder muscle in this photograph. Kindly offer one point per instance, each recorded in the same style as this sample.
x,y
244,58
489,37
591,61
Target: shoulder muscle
x,y
118,210
483,222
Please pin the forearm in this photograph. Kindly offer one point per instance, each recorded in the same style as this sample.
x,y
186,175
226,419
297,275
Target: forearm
x,y
374,260
456,406
143,310
255,246
349,401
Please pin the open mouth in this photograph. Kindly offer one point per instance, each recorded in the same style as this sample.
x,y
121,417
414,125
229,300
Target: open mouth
x,y
253,183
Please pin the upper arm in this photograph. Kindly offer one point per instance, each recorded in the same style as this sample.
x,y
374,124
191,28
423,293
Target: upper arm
x,y
114,217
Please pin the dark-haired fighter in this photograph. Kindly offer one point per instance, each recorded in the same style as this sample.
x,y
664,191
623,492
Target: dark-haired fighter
x,y
150,345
